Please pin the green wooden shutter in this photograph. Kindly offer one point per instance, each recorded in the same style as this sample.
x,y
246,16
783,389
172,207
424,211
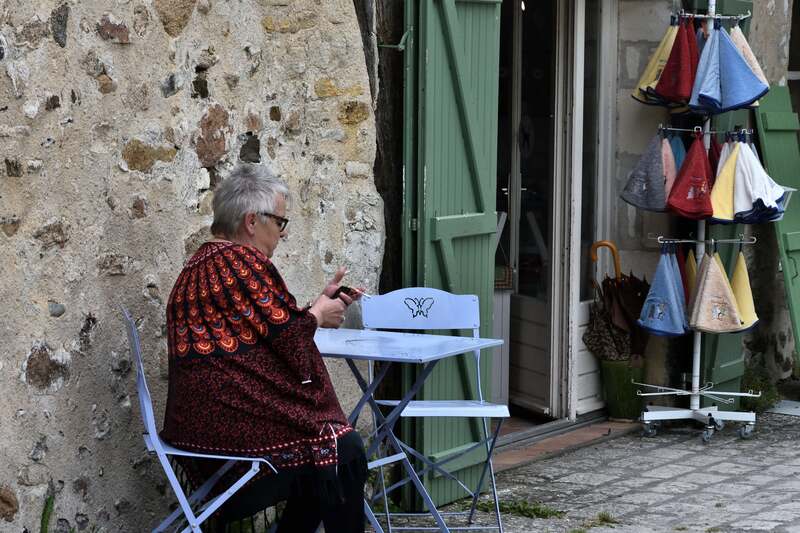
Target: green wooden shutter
x,y
778,132
450,187
723,355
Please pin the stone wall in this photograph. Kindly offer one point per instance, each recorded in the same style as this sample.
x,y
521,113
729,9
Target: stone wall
x,y
117,120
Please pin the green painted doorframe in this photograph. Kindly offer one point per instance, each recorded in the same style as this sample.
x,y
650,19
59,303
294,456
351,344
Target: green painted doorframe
x,y
449,219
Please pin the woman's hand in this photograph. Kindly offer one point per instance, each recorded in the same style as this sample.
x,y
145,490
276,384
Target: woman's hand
x,y
329,312
335,283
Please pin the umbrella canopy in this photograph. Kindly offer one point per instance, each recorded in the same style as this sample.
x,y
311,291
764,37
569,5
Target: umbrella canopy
x,y
722,193
643,91
691,275
677,79
645,187
715,309
663,310
740,282
690,196
678,150
725,81
668,163
743,46
756,196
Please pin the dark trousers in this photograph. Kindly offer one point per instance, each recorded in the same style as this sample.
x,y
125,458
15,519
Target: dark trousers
x,y
340,507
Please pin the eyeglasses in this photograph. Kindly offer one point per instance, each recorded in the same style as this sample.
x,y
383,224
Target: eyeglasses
x,y
282,221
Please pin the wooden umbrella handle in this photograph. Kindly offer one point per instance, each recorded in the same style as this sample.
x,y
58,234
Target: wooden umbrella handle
x,y
614,252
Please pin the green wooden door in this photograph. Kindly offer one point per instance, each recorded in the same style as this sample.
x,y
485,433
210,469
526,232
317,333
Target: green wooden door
x,y
452,58
723,355
778,132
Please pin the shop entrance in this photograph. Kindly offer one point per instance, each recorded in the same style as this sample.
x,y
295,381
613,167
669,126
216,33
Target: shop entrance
x,y
535,169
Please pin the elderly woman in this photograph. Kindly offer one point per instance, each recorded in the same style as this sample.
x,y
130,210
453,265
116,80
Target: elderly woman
x,y
245,376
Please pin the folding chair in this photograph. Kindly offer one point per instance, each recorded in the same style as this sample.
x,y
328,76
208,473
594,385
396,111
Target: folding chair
x,y
154,444
422,308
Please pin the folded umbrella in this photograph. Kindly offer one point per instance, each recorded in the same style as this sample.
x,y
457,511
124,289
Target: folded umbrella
x,y
698,288
662,313
722,193
645,186
682,268
690,196
740,281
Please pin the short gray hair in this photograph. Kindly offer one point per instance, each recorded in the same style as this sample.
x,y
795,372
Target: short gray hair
x,y
248,189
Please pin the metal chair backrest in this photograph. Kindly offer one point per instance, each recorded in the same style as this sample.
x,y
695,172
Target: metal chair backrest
x,y
424,308
418,308
145,403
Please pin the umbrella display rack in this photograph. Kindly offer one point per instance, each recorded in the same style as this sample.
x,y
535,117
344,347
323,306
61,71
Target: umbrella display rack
x,y
712,417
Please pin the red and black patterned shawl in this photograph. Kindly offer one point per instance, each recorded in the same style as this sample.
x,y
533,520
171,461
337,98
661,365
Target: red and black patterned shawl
x,y
241,354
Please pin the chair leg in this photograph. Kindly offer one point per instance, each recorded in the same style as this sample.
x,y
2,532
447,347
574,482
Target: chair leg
x,y
489,466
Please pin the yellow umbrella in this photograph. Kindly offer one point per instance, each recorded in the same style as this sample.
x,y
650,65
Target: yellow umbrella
x,y
691,273
643,91
722,193
743,294
715,308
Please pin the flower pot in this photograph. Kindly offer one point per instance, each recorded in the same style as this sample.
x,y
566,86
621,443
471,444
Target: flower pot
x,y
620,394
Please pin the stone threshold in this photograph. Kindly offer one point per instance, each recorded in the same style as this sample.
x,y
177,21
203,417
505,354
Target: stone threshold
x,y
547,447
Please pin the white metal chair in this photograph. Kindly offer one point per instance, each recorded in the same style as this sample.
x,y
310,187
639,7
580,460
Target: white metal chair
x,y
422,308
192,506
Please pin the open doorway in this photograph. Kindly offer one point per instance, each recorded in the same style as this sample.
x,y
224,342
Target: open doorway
x,y
539,73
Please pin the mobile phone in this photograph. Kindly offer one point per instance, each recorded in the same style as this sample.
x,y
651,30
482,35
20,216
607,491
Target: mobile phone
x,y
346,290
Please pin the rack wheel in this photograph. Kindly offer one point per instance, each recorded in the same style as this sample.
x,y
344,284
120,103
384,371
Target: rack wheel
x,y
707,434
719,425
649,430
746,431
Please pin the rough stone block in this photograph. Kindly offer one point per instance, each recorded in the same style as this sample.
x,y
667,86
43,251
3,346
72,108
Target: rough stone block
x,y
9,505
111,29
174,14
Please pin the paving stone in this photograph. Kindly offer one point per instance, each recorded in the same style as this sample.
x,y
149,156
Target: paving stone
x,y
587,478
668,471
703,478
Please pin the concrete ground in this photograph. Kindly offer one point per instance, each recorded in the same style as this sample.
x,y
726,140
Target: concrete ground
x,y
672,482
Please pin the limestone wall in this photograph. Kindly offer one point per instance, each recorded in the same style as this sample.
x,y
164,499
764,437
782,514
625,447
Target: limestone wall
x,y
117,119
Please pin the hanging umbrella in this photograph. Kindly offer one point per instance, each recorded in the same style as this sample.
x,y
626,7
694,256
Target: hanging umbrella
x,y
714,155
668,163
662,313
722,193
677,79
743,46
740,86
618,301
691,277
690,196
645,186
678,150
715,309
740,281
725,81
679,292
756,198
643,92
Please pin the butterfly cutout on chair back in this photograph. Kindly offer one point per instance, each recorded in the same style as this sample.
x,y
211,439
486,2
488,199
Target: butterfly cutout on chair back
x,y
419,306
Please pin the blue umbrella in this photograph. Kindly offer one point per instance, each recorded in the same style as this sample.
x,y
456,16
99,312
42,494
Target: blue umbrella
x,y
676,279
678,151
707,80
740,85
662,313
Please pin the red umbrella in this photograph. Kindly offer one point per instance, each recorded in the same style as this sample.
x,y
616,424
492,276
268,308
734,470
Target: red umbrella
x,y
690,197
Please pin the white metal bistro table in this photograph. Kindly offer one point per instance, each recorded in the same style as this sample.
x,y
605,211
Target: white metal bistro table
x,y
394,347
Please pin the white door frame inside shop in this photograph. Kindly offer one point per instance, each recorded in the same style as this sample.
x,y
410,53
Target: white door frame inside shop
x,y
566,383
